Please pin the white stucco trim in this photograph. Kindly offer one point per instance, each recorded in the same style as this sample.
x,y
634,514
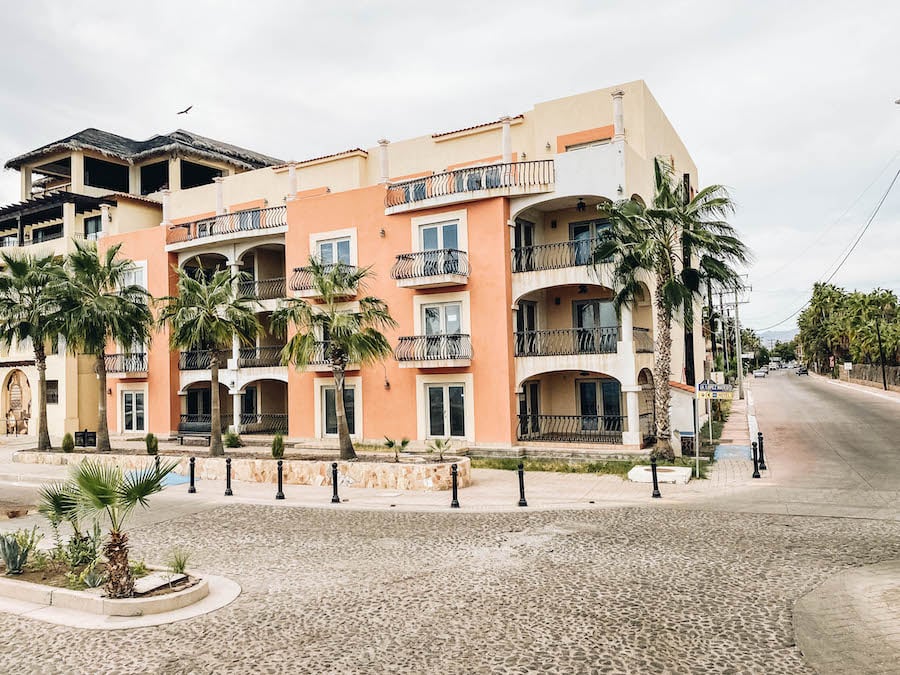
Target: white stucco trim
x,y
461,297
321,383
316,237
467,380
140,387
462,227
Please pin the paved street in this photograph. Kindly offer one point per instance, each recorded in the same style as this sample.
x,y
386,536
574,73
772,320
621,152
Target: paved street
x,y
703,581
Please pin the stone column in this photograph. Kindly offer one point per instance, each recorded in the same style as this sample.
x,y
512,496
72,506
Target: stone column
x,y
619,142
506,140
105,221
292,183
626,333
77,175
236,409
166,195
633,415
174,173
68,220
26,185
235,343
220,195
385,163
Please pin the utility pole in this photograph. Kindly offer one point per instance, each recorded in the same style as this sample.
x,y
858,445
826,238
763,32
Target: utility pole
x,y
881,354
737,339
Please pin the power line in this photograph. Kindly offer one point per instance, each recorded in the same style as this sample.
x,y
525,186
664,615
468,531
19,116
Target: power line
x,y
846,255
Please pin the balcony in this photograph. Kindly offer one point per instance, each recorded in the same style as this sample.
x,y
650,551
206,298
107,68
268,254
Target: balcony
x,y
201,359
264,423
264,289
434,351
555,256
303,284
571,428
431,269
470,184
567,341
228,226
260,357
126,365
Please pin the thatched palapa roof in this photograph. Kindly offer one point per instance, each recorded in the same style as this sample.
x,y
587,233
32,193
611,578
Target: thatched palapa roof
x,y
128,150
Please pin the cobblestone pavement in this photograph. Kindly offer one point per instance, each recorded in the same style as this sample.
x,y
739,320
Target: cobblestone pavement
x,y
628,590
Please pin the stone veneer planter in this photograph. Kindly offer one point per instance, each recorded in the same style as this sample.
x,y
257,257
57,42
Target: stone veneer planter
x,y
93,603
384,475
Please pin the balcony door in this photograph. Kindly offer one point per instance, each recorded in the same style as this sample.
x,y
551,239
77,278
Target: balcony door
x,y
526,327
199,402
530,409
590,317
599,405
523,255
442,323
439,243
446,410
584,234
133,411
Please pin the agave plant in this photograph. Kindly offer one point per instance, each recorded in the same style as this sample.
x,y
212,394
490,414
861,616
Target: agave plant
x,y
106,492
15,547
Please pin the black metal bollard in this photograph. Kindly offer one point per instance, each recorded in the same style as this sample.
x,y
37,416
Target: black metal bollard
x,y
755,461
280,493
192,489
334,480
228,491
655,494
762,455
454,502
522,501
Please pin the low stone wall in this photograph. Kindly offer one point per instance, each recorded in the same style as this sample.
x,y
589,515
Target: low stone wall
x,y
385,475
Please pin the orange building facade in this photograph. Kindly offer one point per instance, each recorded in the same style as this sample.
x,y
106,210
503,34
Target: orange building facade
x,y
478,240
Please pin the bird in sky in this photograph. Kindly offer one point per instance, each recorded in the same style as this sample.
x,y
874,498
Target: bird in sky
x,y
185,111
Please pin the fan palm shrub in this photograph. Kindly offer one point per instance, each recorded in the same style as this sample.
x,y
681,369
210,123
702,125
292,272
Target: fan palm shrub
x,y
206,313
30,313
650,242
344,335
99,308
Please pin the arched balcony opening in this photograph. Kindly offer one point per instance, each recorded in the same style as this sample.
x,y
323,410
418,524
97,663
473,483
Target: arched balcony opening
x,y
264,273
196,407
263,407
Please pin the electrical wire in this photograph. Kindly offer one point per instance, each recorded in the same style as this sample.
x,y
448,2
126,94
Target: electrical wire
x,y
845,255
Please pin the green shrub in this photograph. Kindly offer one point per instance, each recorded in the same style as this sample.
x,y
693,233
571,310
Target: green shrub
x,y
232,440
396,446
139,569
178,559
278,447
68,443
15,547
152,443
84,549
440,446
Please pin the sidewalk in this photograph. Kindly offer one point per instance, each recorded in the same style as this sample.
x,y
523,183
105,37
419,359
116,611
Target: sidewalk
x,y
874,391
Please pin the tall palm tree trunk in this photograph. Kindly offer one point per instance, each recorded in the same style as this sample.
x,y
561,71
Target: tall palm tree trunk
x,y
215,423
663,369
102,426
119,580
347,451
40,361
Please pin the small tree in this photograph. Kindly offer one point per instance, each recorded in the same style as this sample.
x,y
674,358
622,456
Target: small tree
x,y
278,446
346,336
396,446
440,446
30,312
206,313
99,308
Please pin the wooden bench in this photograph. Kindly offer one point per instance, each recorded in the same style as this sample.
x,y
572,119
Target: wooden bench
x,y
193,430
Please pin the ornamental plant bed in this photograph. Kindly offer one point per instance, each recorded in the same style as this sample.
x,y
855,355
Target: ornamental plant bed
x,y
60,576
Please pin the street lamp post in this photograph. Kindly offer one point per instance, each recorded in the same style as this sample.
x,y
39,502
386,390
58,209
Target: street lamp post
x,y
881,352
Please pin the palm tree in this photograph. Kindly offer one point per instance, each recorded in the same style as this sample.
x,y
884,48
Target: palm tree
x,y
206,313
104,491
346,336
100,307
651,241
29,311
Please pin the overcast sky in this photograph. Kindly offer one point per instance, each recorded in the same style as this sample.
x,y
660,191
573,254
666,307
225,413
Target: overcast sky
x,y
790,104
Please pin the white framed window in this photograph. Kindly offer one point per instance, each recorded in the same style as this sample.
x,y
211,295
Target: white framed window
x,y
326,413
442,318
445,406
133,411
334,251
136,275
448,230
588,144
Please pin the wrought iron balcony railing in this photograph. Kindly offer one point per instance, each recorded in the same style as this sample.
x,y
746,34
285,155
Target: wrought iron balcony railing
x,y
643,342
302,278
239,221
201,423
567,341
554,256
430,263
263,289
260,357
201,359
470,179
571,428
126,363
264,423
452,347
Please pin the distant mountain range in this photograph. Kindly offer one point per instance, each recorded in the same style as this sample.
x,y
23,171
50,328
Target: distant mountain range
x,y
778,335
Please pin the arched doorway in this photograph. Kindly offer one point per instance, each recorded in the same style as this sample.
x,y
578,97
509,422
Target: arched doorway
x,y
17,402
